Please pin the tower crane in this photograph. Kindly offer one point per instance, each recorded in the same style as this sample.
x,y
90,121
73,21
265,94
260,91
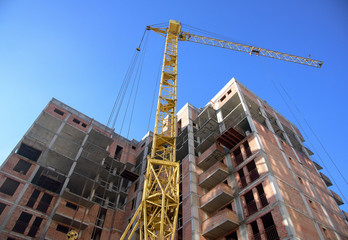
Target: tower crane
x,y
157,214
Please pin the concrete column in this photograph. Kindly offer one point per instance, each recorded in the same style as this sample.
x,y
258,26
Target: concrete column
x,y
196,233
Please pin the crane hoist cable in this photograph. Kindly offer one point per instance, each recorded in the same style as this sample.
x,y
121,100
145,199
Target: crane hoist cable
x,y
124,86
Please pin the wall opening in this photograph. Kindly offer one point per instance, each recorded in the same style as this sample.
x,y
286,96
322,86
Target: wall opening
x,y
22,222
247,149
22,166
253,173
48,180
44,203
242,179
238,156
71,205
255,229
62,228
9,187
270,228
250,202
101,217
35,227
2,207
232,236
59,112
33,198
29,152
118,152
262,195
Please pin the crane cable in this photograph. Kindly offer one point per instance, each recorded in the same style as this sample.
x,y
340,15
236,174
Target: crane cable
x,y
124,87
302,129
157,80
140,68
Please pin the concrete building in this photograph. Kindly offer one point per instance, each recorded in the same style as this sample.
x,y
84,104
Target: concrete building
x,y
245,174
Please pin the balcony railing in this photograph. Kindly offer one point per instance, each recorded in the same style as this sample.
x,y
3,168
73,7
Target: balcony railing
x,y
251,207
269,233
263,200
239,159
253,175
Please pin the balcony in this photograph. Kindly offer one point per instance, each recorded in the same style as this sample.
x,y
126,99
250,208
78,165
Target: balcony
x,y
213,176
326,180
206,122
318,167
220,224
337,198
99,138
210,156
345,215
69,220
230,138
216,197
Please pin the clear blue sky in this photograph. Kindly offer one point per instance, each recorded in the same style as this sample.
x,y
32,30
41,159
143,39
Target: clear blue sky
x,y
78,52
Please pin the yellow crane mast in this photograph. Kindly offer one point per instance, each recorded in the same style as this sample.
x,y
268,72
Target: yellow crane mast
x,y
157,213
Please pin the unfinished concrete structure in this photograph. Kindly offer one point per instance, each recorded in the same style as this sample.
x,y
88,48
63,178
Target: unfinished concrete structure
x,y
245,174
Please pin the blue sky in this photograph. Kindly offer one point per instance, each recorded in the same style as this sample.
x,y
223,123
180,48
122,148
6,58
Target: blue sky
x,y
79,51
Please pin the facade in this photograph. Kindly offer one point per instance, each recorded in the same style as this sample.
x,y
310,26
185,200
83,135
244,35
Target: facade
x,y
245,174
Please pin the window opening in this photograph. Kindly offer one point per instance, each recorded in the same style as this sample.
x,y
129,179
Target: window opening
x,y
232,236
96,233
35,227
9,187
22,222
133,204
311,204
250,203
136,186
29,152
300,180
238,156
71,205
229,91
223,98
101,217
22,166
33,198
134,147
84,125
179,127
2,207
252,169
76,121
247,149
59,112
256,230
270,228
242,179
118,152
44,203
262,195
326,233
62,228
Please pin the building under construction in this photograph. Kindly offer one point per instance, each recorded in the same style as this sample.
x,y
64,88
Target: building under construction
x,y
244,174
